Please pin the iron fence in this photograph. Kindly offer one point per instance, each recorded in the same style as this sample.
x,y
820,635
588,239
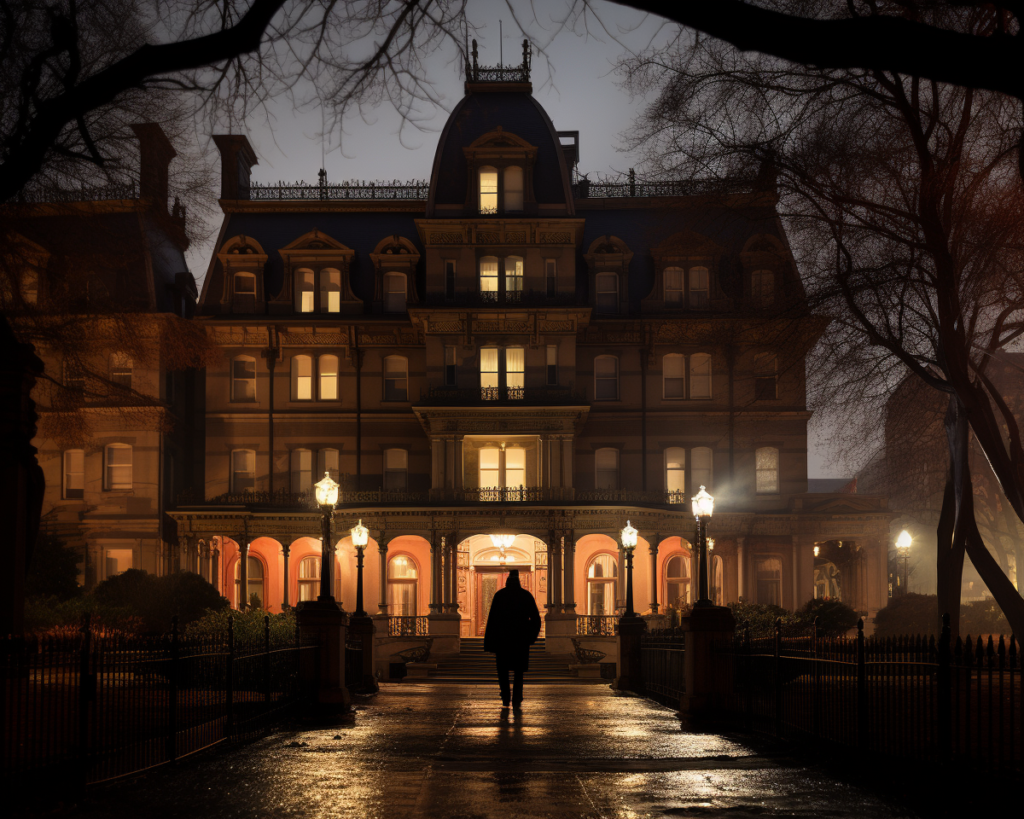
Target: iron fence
x,y
408,626
92,707
910,698
662,653
415,190
597,625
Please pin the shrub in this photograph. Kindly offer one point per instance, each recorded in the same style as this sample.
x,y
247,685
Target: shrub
x,y
51,615
248,626
156,600
760,617
982,617
834,618
908,614
52,569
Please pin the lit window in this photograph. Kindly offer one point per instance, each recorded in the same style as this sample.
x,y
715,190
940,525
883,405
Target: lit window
x,y
243,379
490,470
767,467
245,292
606,378
450,369
701,460
121,370
673,367
117,561
550,277
513,188
309,578
489,278
675,469
396,470
607,293
762,287
328,365
699,288
488,189
396,378
302,378
552,363
302,470
74,474
330,291
402,576
673,285
513,277
394,293
601,575
515,467
304,291
328,460
765,377
254,579
515,371
677,582
489,373
117,466
700,375
768,576
606,468
243,470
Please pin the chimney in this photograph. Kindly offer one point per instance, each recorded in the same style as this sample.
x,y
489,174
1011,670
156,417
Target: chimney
x,y
236,160
155,155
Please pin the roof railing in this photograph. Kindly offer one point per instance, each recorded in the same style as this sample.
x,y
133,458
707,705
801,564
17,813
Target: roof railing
x,y
499,73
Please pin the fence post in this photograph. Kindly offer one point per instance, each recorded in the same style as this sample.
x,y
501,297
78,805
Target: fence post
x,y
862,699
945,715
266,660
229,722
817,683
84,698
172,709
778,676
748,676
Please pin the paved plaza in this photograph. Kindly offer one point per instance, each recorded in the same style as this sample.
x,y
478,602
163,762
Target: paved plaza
x,y
437,750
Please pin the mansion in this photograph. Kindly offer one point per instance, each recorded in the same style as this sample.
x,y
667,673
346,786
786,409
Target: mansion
x,y
511,350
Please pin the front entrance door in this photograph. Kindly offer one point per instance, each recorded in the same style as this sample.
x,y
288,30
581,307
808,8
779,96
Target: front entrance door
x,y
488,581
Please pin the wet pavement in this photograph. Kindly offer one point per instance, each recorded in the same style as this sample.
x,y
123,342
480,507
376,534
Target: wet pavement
x,y
451,751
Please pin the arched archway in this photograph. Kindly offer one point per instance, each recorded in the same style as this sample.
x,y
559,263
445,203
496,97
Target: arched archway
x,y
484,564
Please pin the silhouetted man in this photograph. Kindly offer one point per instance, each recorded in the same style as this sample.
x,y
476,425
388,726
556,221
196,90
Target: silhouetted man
x,y
512,627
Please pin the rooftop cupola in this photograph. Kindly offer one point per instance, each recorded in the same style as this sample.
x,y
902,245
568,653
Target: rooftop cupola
x,y
500,77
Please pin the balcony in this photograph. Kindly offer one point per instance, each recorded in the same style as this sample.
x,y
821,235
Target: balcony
x,y
504,396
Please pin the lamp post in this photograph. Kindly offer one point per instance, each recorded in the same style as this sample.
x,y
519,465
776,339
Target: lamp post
x,y
903,548
628,537
703,506
326,498
360,537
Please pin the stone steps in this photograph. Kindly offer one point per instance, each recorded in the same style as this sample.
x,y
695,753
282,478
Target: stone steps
x,y
473,665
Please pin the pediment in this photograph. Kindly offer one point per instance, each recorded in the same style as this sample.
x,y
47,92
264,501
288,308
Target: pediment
x,y
316,243
844,504
500,138
687,243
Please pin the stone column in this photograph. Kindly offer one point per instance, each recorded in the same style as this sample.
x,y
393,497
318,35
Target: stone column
x,y
286,550
796,573
182,561
569,574
243,573
555,574
459,477
446,583
215,570
654,573
453,596
382,606
567,462
435,573
437,453
741,568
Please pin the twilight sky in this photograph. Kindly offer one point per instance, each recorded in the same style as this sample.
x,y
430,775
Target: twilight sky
x,y
575,83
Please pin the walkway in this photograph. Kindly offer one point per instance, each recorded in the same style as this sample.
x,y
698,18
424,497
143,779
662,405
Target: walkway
x,y
448,751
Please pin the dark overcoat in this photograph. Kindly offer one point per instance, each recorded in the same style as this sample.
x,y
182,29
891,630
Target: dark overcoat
x,y
512,626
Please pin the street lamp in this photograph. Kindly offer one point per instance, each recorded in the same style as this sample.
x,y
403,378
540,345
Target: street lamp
x,y
628,538
703,506
360,537
903,548
326,497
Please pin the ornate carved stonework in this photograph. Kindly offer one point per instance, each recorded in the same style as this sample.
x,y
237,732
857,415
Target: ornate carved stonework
x,y
488,238
315,339
557,326
559,238
447,238
446,326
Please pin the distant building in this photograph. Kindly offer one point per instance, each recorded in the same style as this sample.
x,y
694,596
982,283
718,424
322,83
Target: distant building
x,y
511,349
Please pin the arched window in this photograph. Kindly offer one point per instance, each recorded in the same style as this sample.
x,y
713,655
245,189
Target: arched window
x,y
701,460
675,469
673,370
765,377
394,293
117,466
766,460
302,378
601,585
515,372
606,378
762,287
402,578
304,291
488,189
513,188
489,278
254,593
121,370
396,470
768,576
74,474
328,366
607,293
244,292
330,291
700,375
396,378
699,288
328,460
513,278
302,470
677,582
243,378
606,468
717,581
673,285
243,470
309,578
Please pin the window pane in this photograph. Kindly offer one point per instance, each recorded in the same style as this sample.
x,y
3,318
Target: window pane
x,y
117,561
675,469
245,284
489,274
74,473
302,470
395,379
602,566
701,463
673,285
606,386
607,293
401,568
489,373
489,461
243,379
606,468
515,466
304,291
119,467
515,366
394,293
328,377
513,188
330,291
768,575
699,287
121,370
488,189
673,368
763,287
396,458
767,469
302,373
328,461
243,470
513,274
700,375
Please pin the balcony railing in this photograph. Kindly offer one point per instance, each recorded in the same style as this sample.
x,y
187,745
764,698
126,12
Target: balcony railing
x,y
629,186
527,396
417,189
492,298
597,625
630,496
401,626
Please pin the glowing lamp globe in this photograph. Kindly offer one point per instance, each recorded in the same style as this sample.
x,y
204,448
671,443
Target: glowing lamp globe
x,y
628,536
360,535
904,540
711,544
502,541
326,491
817,550
703,504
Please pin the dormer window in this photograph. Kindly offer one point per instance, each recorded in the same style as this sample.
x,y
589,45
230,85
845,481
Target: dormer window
x,y
330,291
488,189
607,293
394,293
304,291
500,165
699,288
513,189
245,292
762,287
